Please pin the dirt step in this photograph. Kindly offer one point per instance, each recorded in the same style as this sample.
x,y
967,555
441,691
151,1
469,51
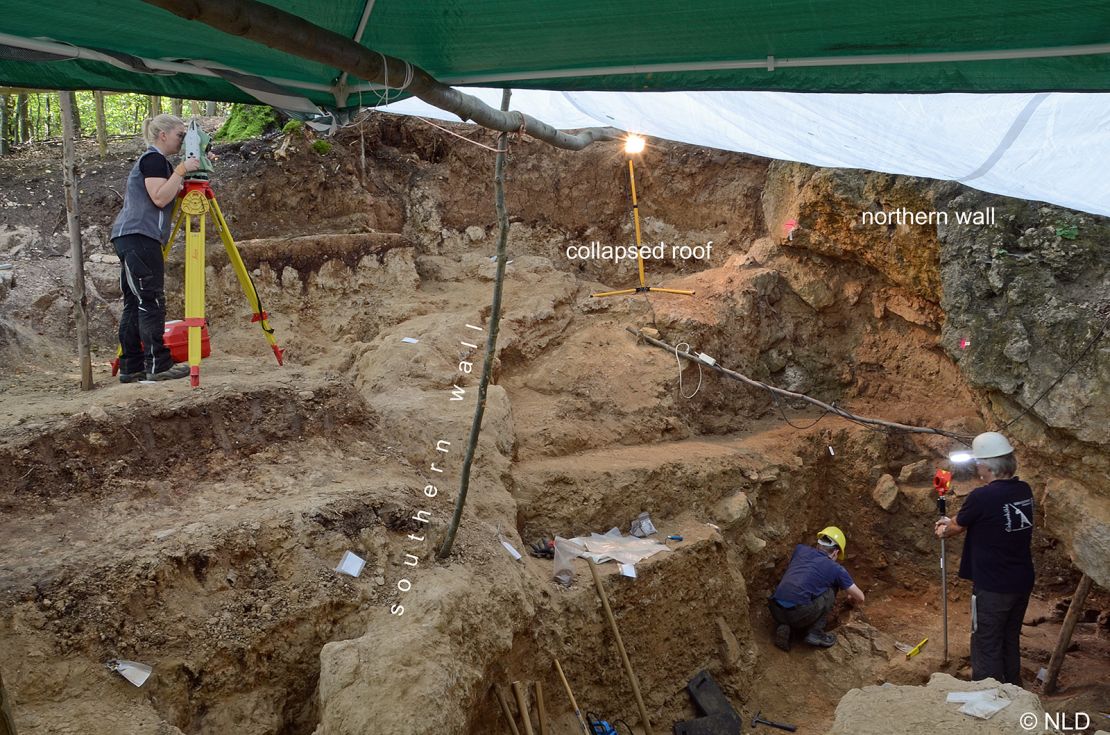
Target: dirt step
x,y
596,490
199,432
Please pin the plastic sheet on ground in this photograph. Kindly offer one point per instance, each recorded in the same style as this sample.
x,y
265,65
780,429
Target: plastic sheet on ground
x,y
133,671
983,704
613,546
609,546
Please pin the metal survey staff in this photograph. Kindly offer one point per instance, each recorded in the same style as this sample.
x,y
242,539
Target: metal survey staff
x,y
997,556
137,235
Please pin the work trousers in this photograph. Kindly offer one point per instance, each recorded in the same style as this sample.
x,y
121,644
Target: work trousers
x,y
996,619
807,616
141,326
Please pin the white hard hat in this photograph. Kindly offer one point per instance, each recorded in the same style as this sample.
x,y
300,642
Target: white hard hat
x,y
990,444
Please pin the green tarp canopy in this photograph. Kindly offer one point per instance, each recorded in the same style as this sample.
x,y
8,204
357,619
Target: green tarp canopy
x,y
787,45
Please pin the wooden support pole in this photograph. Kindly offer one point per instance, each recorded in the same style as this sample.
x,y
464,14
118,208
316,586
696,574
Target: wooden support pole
x,y
829,408
7,722
570,696
101,125
1074,610
522,708
80,301
491,338
620,647
540,708
505,709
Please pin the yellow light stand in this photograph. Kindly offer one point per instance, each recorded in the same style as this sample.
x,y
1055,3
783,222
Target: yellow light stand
x,y
633,145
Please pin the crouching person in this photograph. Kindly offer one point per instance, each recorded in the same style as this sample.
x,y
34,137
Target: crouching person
x,y
804,598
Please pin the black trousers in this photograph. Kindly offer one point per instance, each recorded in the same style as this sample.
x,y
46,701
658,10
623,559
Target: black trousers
x,y
996,635
807,616
141,326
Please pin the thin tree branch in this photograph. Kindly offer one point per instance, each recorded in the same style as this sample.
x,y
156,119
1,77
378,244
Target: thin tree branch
x,y
294,35
491,339
962,438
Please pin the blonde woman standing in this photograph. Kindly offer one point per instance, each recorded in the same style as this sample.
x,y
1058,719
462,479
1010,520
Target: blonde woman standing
x,y
137,234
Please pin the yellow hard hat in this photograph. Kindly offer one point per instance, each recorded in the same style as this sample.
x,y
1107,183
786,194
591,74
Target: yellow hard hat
x,y
835,534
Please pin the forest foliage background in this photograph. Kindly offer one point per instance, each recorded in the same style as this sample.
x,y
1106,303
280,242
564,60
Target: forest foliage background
x,y
32,116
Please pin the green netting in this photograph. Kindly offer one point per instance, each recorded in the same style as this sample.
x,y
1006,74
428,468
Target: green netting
x,y
596,45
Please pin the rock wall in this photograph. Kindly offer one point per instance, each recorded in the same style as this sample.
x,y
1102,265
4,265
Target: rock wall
x,y
1018,303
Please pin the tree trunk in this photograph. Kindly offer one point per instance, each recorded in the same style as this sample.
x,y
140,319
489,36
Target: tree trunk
x,y
293,35
491,338
194,108
24,118
210,108
155,108
101,125
3,124
76,117
7,724
175,107
80,301
48,114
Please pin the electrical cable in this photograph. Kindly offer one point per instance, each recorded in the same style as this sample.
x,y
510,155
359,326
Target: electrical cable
x,y
872,423
679,361
450,132
778,405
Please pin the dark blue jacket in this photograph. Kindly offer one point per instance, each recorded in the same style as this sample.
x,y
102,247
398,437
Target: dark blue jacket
x,y
809,575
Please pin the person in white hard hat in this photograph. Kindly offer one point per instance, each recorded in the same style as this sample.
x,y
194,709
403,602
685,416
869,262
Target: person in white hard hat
x,y
997,558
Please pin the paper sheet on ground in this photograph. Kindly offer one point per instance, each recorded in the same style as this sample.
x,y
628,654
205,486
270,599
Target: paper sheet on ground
x,y
612,546
983,704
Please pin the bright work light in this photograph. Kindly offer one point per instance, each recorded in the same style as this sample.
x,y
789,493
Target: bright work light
x,y
634,144
960,457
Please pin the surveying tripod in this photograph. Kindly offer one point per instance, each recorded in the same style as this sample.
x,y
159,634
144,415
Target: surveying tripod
x,y
197,200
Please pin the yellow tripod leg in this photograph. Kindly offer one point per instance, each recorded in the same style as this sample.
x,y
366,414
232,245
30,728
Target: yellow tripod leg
x,y
245,281
194,205
178,220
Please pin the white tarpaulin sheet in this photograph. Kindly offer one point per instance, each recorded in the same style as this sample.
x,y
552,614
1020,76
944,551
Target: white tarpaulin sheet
x,y
1052,147
612,546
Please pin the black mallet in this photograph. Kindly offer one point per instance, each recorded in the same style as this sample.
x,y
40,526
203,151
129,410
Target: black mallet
x,y
757,720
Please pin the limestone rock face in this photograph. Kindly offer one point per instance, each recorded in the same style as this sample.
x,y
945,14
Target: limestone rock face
x,y
921,710
885,493
917,710
919,471
1076,514
1025,296
828,204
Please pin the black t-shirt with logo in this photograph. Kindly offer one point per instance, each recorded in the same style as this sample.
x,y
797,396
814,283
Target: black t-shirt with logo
x,y
999,522
155,165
